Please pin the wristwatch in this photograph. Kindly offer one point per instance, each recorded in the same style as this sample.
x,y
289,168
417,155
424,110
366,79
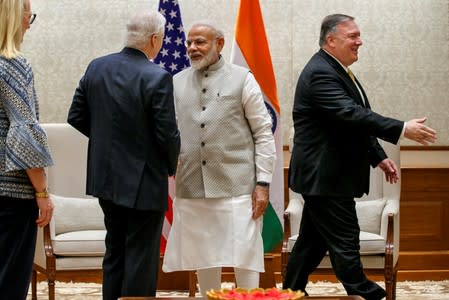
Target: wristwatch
x,y
263,183
42,194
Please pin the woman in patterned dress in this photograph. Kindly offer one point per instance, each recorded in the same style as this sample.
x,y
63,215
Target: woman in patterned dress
x,y
24,200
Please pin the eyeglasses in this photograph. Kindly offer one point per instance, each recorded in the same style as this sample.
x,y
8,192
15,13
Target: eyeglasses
x,y
32,18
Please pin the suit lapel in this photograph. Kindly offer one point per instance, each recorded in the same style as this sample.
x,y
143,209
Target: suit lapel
x,y
354,92
366,103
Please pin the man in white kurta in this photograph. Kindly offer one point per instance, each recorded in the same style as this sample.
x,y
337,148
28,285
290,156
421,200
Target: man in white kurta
x,y
225,166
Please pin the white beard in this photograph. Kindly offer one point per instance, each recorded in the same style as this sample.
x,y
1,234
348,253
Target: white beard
x,y
206,60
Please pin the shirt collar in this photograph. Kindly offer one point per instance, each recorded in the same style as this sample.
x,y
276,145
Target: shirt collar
x,y
215,66
344,67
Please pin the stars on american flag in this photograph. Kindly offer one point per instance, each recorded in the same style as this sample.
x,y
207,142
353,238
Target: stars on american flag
x,y
164,52
169,26
173,14
179,41
173,55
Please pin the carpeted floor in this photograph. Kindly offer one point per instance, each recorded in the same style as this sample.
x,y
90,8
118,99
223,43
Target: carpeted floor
x,y
406,290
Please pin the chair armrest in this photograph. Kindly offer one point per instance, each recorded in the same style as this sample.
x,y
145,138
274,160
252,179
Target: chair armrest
x,y
48,246
389,243
49,254
389,228
284,251
292,217
294,210
39,253
391,250
287,227
44,256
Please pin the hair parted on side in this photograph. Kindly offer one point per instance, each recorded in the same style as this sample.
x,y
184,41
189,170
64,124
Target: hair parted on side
x,y
142,26
329,25
11,16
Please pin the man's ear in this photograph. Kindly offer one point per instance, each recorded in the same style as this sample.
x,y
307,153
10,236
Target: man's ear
x,y
220,44
330,40
153,40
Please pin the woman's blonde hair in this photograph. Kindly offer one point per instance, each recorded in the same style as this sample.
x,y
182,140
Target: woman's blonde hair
x,y
11,16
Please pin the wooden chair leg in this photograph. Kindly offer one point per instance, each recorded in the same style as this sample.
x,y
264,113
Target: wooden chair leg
x,y
192,283
34,285
284,261
395,276
267,278
389,289
390,285
51,289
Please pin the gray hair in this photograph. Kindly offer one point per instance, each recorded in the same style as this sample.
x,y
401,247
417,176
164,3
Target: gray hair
x,y
142,26
208,23
329,25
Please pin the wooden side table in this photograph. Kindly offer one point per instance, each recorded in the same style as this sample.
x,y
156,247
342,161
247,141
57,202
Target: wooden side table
x,y
194,298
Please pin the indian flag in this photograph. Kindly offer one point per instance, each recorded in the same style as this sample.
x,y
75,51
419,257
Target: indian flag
x,y
250,49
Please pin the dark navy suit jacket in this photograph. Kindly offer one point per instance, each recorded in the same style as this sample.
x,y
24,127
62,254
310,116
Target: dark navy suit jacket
x,y
124,105
335,132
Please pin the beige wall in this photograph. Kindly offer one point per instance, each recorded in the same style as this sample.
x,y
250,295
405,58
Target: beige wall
x,y
403,65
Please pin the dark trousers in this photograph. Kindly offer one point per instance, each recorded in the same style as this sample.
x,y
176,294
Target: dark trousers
x,y
18,232
131,262
330,224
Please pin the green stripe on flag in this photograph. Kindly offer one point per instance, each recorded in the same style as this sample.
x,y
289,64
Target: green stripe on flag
x,y
272,232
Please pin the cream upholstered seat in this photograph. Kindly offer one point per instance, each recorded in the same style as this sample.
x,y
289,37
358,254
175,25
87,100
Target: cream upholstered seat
x,y
378,215
74,239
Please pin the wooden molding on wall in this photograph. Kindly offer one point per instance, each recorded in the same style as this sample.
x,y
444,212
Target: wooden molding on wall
x,y
408,148
424,148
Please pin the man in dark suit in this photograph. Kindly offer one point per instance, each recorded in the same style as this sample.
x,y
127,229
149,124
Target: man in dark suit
x,y
335,143
124,105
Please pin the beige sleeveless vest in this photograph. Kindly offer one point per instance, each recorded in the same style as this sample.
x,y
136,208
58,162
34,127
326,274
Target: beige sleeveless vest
x,y
217,148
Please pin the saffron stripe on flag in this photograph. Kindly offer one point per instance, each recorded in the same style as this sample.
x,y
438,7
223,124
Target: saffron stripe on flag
x,y
250,49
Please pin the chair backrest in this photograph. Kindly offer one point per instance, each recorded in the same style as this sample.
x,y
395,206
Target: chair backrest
x,y
74,210
379,187
67,177
369,207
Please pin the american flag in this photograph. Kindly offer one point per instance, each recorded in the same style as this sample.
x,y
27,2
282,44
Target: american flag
x,y
173,58
173,55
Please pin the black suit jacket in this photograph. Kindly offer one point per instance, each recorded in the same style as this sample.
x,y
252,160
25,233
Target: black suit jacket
x,y
124,105
335,133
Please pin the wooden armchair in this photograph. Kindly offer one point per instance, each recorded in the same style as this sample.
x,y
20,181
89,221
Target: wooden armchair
x,y
73,242
378,216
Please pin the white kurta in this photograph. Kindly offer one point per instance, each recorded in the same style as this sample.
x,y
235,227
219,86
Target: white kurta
x,y
218,232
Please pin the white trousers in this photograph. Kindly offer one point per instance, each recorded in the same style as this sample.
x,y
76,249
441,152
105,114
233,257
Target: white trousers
x,y
211,279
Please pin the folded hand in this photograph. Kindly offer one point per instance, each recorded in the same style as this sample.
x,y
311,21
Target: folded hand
x,y
260,199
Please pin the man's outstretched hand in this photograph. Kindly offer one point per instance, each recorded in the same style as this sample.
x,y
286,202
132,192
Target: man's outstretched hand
x,y
415,130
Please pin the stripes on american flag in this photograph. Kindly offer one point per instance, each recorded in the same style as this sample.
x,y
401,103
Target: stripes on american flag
x,y
173,58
